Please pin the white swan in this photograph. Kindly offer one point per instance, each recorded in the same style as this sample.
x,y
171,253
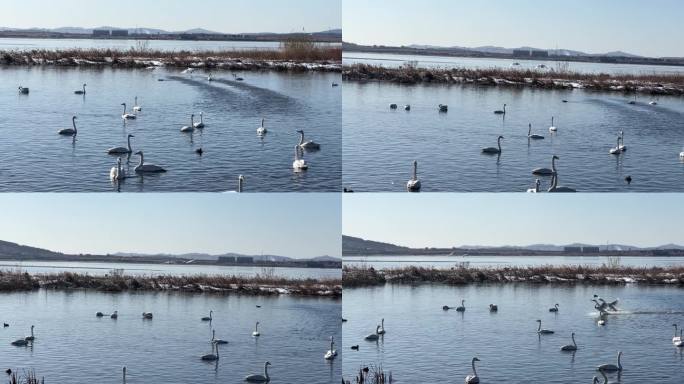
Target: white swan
x,y
547,171
413,185
191,127
536,189
501,112
680,342
81,92
262,130
144,167
136,107
121,150
201,122
493,149
208,318
331,353
681,155
307,144
299,164
127,116
622,146
212,356
552,128
531,136
616,150
241,181
373,336
260,378
570,347
117,172
473,379
462,307
256,330
676,337
215,340
543,331
556,188
611,367
554,308
69,131
653,102
381,331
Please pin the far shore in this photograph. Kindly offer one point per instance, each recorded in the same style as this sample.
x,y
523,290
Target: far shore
x,y
651,84
358,276
13,281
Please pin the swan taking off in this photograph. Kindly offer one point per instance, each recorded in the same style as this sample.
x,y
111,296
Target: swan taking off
x,y
201,122
570,347
501,112
299,164
493,149
536,189
413,185
212,356
208,318
136,107
543,331
117,172
127,116
191,127
473,379
331,353
262,130
373,336
554,308
121,150
144,167
310,145
381,331
260,378
81,92
611,367
69,131
531,136
552,128
256,330
462,307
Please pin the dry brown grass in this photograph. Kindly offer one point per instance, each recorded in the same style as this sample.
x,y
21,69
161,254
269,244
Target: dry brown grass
x,y
603,275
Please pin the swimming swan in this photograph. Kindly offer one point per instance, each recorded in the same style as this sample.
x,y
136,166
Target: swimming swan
x,y
81,92
260,378
191,127
69,131
473,379
208,318
554,308
212,356
127,116
201,122
501,112
262,130
616,150
299,164
381,331
570,347
543,331
531,136
536,189
493,149
215,340
462,307
546,171
144,167
413,185
331,353
676,337
136,107
117,172
373,336
121,150
556,188
611,367
552,128
256,332
32,337
307,144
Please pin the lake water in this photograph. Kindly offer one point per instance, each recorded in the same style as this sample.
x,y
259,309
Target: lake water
x,y
425,344
136,269
35,158
159,45
394,60
72,345
380,144
387,262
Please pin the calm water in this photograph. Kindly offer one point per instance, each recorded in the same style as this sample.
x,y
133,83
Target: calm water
x,y
380,144
73,345
390,60
34,267
161,45
425,344
35,158
386,262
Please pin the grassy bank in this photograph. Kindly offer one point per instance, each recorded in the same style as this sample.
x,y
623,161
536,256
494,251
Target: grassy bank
x,y
292,57
603,275
117,282
654,84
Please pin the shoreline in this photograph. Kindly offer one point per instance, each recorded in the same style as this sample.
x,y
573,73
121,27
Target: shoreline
x,y
13,281
295,60
353,277
672,85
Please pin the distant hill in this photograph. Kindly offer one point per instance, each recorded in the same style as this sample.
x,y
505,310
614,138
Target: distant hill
x,y
10,250
151,31
509,51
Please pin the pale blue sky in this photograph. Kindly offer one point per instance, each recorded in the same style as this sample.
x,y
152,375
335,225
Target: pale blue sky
x,y
230,16
295,225
445,220
652,28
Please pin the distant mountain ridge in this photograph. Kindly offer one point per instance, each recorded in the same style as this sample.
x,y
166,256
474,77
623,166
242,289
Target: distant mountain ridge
x,y
509,51
151,31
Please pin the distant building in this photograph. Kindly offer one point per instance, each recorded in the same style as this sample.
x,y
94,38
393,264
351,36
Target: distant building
x,y
101,32
590,249
120,32
572,249
539,53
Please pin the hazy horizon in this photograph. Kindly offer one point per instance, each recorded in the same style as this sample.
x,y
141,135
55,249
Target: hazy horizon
x,y
633,26
233,16
254,224
499,219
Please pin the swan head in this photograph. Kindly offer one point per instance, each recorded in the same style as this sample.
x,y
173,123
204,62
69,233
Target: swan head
x,y
74,118
267,363
500,137
129,135
476,359
538,321
558,158
139,153
300,131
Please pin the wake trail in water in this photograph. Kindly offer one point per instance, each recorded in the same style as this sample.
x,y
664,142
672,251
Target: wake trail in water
x,y
626,312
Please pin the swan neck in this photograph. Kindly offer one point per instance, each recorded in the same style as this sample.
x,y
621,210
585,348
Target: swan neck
x,y
473,364
240,184
266,371
301,137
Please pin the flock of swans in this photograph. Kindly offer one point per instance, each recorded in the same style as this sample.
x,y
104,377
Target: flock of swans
x,y
602,306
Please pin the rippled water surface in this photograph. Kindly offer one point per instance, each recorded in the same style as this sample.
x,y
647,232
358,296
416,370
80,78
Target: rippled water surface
x,y
425,344
35,158
72,345
380,144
